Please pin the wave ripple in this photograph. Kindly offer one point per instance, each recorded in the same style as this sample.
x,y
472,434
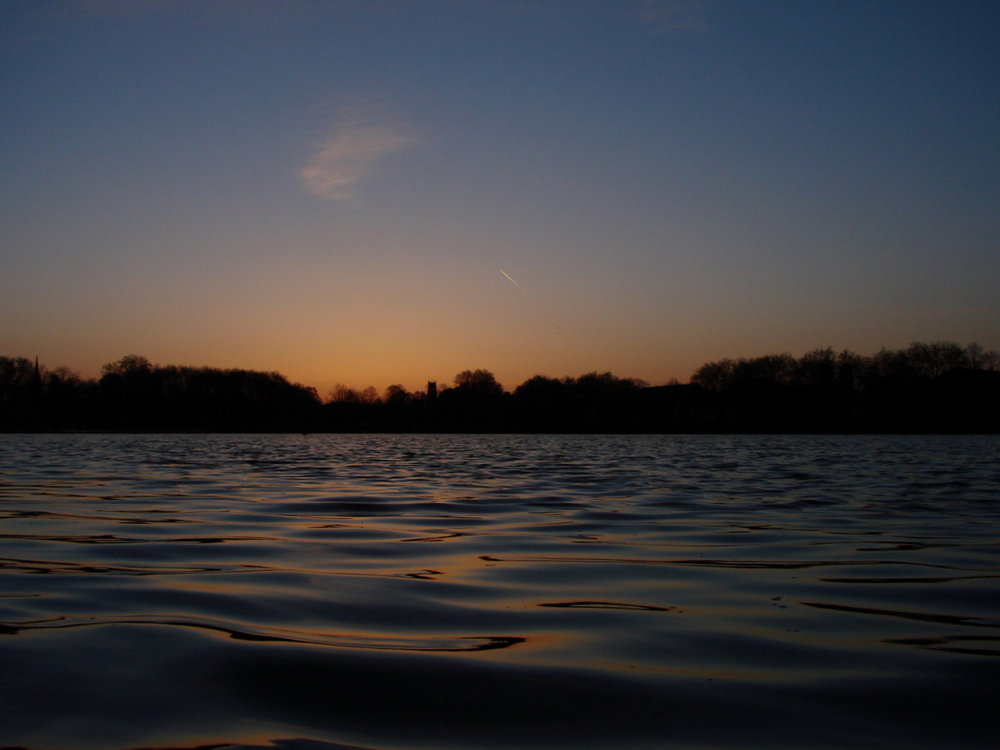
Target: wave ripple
x,y
335,592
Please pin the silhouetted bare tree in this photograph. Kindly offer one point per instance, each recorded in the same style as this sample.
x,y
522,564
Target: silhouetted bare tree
x,y
481,381
340,393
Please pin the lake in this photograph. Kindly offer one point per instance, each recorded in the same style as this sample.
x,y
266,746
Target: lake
x,y
461,591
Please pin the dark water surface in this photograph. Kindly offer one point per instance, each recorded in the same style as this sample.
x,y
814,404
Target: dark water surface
x,y
503,591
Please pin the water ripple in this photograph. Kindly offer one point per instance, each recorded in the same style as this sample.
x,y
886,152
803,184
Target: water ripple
x,y
498,591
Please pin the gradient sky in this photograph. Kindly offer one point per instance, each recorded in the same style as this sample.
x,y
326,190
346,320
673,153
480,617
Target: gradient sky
x,y
397,190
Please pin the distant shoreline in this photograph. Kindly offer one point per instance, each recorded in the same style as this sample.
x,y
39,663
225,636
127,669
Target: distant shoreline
x,y
940,388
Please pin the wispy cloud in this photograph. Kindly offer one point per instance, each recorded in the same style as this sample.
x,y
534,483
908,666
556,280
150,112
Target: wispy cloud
x,y
665,16
349,154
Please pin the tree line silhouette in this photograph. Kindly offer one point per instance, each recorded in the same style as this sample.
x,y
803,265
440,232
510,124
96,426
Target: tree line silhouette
x,y
936,387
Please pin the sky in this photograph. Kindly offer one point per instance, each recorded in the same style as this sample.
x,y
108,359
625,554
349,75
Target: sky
x,y
394,191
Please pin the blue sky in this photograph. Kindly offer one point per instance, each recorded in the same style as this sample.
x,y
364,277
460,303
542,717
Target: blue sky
x,y
340,190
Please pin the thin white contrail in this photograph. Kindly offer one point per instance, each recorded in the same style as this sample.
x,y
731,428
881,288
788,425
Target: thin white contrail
x,y
512,280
